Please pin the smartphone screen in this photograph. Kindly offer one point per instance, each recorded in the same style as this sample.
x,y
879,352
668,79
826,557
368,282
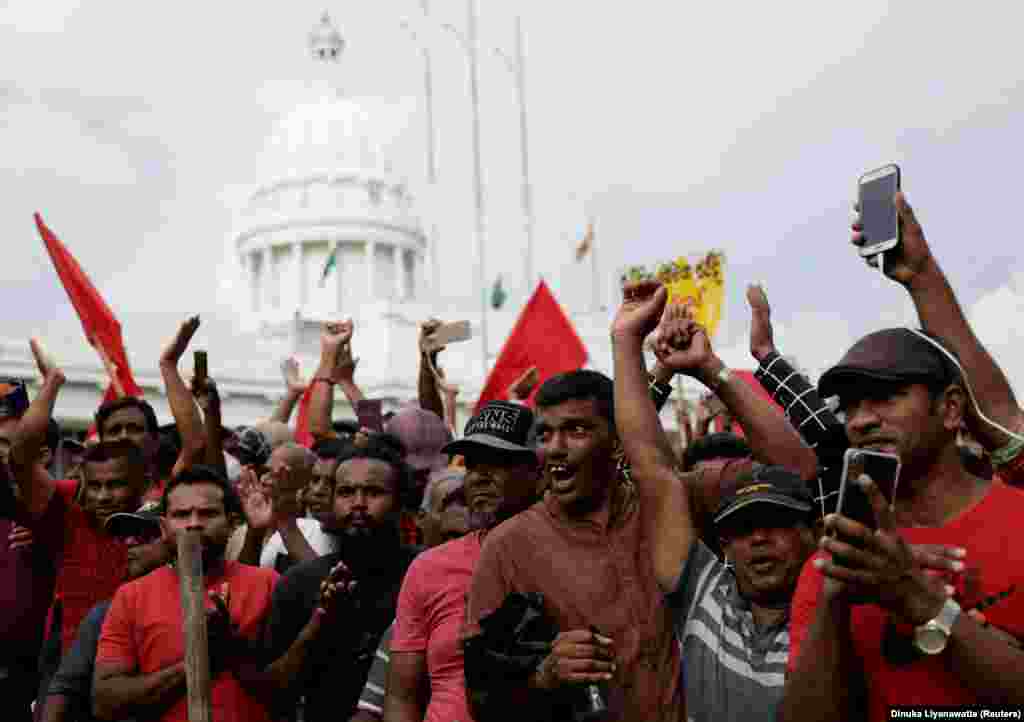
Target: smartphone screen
x,y
883,469
450,333
370,414
878,210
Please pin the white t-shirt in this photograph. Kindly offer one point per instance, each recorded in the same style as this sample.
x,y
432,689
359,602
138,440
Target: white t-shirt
x,y
321,542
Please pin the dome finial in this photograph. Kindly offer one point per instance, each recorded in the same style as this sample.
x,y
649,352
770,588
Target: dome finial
x,y
325,42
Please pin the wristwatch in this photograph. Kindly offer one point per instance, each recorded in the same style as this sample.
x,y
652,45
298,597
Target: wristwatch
x,y
932,636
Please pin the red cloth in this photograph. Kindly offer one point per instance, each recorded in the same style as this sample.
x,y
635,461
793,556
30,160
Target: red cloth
x,y
102,329
751,381
90,564
303,435
143,630
995,563
543,337
430,617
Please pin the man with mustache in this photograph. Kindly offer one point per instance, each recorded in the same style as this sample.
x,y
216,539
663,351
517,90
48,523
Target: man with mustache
x,y
427,661
91,564
70,692
140,668
452,522
324,649
582,548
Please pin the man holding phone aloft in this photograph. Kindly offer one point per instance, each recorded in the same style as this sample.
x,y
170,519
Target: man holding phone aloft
x,y
879,630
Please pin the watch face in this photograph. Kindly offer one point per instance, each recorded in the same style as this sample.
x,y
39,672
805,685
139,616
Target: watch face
x,y
930,640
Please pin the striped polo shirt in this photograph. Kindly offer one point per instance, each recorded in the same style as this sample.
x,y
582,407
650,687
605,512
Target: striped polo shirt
x,y
731,669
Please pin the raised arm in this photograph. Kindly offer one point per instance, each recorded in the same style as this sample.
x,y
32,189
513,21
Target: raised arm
x,y
772,439
344,374
807,412
914,267
179,398
34,483
427,386
321,402
664,502
209,401
294,387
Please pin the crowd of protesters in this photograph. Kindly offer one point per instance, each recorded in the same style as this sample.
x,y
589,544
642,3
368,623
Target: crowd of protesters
x,y
562,558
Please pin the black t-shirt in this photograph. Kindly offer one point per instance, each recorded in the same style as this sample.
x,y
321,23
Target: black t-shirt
x,y
340,661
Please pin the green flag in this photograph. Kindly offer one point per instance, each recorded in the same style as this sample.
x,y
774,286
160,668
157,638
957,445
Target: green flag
x,y
498,295
332,261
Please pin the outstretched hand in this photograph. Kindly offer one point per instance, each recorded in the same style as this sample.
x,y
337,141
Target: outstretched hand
x,y
221,631
880,566
683,345
336,334
911,256
642,305
293,380
762,336
48,369
177,346
336,591
427,329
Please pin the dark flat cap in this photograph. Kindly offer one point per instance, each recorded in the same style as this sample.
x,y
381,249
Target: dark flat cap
x,y
893,355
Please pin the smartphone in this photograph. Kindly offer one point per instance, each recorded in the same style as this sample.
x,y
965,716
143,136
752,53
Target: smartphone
x,y
370,413
200,369
883,469
881,224
448,333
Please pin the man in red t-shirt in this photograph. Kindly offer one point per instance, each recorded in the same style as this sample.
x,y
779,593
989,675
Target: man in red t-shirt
x,y
877,630
427,659
91,564
140,669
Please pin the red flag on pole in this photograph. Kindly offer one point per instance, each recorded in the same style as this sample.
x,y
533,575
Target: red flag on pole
x,y
102,330
543,337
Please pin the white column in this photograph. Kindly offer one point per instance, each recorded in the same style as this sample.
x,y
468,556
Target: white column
x,y
397,259
298,277
371,270
263,287
336,273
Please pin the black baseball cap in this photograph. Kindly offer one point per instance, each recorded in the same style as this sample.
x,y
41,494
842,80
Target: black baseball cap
x,y
892,355
144,522
498,426
769,486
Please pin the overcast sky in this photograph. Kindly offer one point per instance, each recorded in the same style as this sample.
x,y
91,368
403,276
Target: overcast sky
x,y
134,128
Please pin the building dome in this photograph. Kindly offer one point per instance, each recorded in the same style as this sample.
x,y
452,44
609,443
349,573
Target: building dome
x,y
332,225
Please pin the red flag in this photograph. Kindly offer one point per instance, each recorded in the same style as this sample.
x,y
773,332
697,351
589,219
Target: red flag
x,y
102,330
303,436
543,337
750,379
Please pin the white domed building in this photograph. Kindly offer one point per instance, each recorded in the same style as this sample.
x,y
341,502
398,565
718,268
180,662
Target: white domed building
x,y
332,231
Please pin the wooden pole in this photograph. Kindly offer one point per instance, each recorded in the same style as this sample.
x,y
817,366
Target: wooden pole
x,y
193,607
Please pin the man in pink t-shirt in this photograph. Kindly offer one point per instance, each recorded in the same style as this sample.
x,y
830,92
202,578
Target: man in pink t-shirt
x,y
501,480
